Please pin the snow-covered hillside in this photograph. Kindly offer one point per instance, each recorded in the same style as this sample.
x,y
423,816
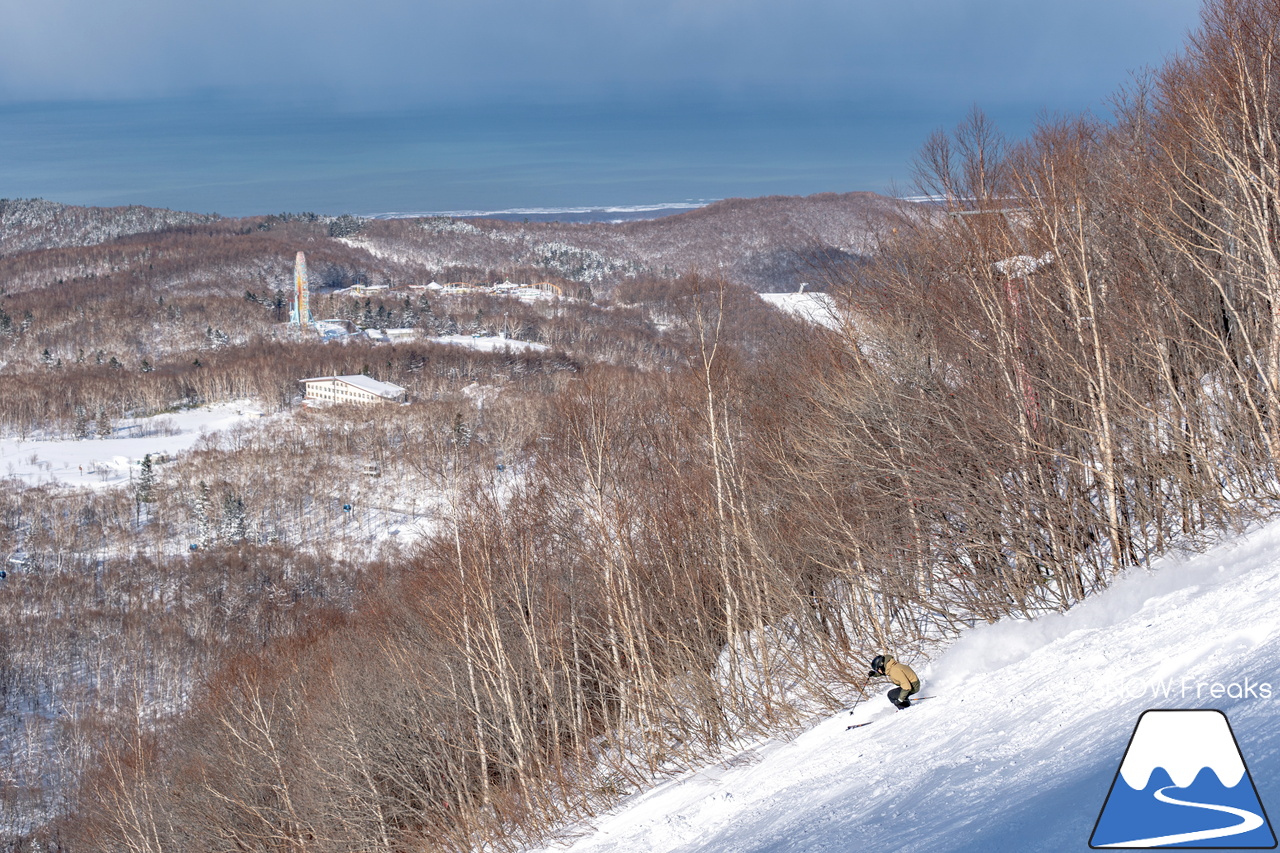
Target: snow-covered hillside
x,y
1019,746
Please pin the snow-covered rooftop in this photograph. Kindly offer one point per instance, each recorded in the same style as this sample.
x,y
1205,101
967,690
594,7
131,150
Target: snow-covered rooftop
x,y
490,343
366,383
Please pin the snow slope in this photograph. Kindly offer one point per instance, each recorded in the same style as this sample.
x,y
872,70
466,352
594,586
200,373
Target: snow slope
x,y
817,308
1020,745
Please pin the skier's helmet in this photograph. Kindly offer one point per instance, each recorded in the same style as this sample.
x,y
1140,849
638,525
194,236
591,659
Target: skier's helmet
x,y
877,665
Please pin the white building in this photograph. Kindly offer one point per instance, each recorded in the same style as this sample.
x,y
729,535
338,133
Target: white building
x,y
391,336
353,389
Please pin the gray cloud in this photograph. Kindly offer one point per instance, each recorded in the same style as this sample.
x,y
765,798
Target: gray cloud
x,y
381,52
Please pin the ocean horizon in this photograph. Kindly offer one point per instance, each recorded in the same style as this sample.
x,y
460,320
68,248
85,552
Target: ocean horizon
x,y
601,162
607,213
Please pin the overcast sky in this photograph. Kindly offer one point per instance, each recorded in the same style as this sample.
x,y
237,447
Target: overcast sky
x,y
378,53
242,106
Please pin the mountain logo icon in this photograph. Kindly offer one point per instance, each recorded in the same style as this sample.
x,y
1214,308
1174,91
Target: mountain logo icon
x,y
1183,783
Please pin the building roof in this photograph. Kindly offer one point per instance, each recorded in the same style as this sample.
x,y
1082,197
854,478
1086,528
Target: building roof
x,y
366,383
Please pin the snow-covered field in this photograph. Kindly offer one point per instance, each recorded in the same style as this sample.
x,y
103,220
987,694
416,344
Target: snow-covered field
x,y
380,510
1019,746
107,461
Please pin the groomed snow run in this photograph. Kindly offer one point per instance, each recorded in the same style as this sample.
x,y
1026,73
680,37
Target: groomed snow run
x,y
1020,745
817,308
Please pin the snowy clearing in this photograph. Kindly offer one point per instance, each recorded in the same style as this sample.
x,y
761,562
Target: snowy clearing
x,y
107,461
1019,746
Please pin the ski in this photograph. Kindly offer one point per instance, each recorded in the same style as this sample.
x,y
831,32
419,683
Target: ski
x,y
914,699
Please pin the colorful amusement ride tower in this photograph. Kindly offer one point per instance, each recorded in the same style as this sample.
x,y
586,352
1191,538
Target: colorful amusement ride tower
x,y
300,316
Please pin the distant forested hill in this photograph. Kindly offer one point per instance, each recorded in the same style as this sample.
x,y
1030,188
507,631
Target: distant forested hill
x,y
768,244
28,224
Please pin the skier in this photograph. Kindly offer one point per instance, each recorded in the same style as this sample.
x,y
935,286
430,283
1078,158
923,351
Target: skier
x,y
900,674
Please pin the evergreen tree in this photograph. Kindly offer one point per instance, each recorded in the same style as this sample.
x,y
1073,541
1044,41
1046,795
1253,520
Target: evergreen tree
x,y
235,526
80,428
144,488
146,481
204,526
462,431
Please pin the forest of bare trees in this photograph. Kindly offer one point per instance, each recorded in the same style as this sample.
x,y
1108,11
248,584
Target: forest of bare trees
x,y
689,527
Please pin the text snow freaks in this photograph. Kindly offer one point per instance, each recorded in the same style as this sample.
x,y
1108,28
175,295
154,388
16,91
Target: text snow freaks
x,y
1189,688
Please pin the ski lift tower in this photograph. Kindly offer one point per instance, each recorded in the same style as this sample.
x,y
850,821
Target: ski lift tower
x,y
300,316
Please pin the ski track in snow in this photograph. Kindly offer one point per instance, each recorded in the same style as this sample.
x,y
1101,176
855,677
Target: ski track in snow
x,y
1018,749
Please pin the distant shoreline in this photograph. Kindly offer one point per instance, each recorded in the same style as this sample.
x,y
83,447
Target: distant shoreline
x,y
618,213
